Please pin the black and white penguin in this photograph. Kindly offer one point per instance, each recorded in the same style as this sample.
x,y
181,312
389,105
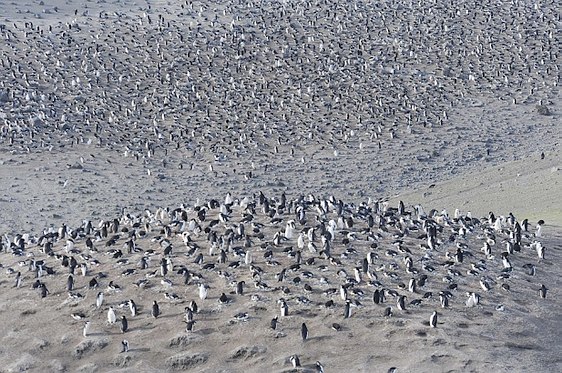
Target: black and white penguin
x,y
433,319
124,324
111,317
401,303
18,280
223,299
542,291
444,300
304,332
124,345
295,361
284,308
86,329
99,299
43,290
189,326
376,297
347,310
70,284
273,323
240,288
132,307
188,314
155,310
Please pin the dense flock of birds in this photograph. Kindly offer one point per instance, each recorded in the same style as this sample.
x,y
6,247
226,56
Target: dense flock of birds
x,y
352,260
232,79
227,78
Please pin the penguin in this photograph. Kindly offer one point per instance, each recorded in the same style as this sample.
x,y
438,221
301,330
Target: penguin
x,y
376,297
319,367
188,314
433,319
155,310
343,292
223,299
412,285
193,306
203,291
542,291
444,300
86,329
473,299
295,361
273,323
84,269
132,308
189,326
124,324
347,310
124,345
240,288
401,304
484,284
111,318
538,232
93,283
387,312
18,280
304,332
284,309
70,284
99,300
44,291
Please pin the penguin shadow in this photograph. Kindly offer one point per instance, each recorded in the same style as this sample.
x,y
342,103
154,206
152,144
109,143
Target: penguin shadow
x,y
170,315
98,334
141,349
148,326
205,331
318,338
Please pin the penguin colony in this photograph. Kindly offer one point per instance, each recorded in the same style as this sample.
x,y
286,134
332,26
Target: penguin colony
x,y
284,257
194,86
237,74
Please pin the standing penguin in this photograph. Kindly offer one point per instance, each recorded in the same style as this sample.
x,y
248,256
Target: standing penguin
x,y
304,332
203,291
111,318
155,310
188,314
542,291
412,285
70,283
44,290
124,324
401,304
273,323
18,280
99,300
240,288
132,308
86,329
284,308
433,319
125,345
347,310
295,361
444,300
189,326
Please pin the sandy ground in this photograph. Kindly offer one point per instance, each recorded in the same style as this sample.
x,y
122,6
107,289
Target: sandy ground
x,y
401,121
